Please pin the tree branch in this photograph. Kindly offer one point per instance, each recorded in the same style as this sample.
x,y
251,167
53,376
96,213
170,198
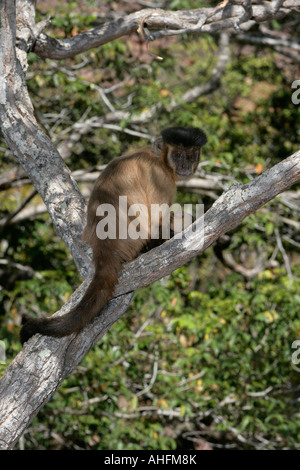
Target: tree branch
x,y
6,220
162,23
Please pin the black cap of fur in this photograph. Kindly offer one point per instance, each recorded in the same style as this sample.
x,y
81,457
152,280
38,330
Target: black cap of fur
x,y
184,136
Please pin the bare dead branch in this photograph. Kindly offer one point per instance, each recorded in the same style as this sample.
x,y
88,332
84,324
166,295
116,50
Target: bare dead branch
x,y
248,13
291,43
284,254
6,220
261,264
162,23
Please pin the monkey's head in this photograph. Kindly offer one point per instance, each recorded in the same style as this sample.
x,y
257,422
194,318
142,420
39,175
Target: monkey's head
x,y
181,147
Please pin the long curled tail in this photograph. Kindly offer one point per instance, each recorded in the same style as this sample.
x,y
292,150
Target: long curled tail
x,y
95,298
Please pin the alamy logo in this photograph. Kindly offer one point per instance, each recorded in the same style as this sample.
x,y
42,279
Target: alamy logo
x,y
136,221
296,354
296,94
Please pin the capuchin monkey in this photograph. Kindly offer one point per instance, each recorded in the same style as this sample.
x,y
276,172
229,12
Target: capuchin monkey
x,y
144,177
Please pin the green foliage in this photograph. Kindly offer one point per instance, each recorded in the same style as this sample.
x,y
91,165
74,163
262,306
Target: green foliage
x,y
231,342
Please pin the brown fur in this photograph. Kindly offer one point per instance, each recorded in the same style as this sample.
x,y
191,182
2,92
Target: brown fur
x,y
146,176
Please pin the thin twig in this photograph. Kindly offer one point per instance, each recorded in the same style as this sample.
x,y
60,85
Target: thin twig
x,y
284,254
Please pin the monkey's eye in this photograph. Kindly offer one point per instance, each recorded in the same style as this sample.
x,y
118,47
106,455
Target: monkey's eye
x,y
176,154
192,156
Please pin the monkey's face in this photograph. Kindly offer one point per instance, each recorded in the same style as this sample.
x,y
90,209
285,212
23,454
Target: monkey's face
x,y
183,161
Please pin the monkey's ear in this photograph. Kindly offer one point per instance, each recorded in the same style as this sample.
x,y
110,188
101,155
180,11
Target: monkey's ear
x,y
158,146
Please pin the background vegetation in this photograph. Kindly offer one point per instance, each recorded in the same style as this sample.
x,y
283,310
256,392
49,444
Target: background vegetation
x,y
203,357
